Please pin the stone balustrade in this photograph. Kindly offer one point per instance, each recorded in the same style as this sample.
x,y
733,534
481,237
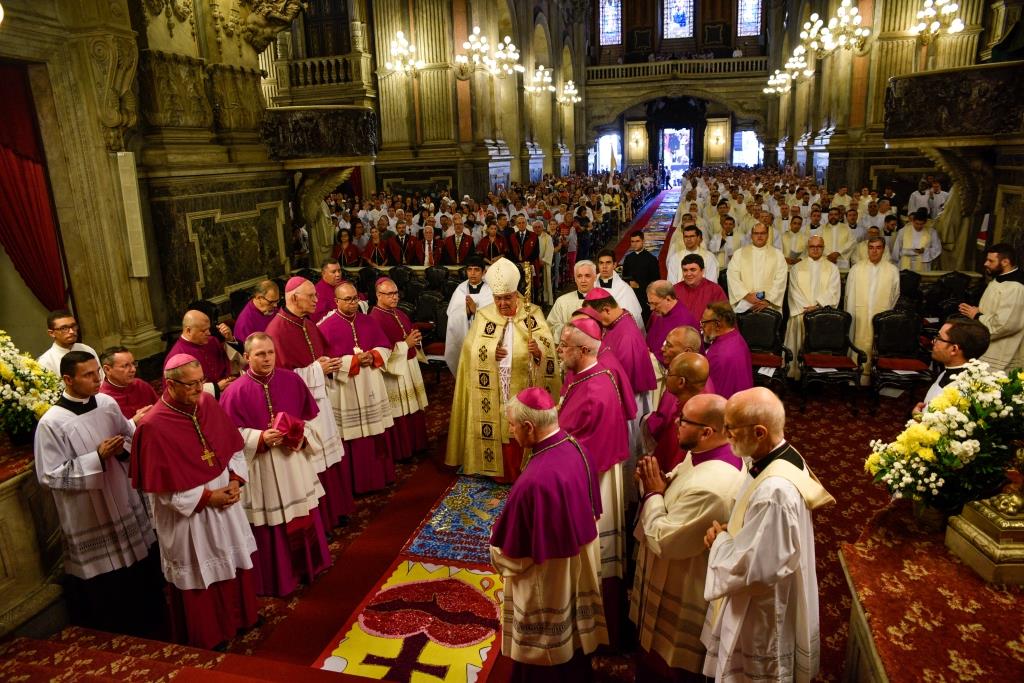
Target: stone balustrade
x,y
321,71
680,68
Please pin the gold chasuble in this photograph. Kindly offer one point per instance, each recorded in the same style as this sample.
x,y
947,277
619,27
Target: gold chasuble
x,y
478,426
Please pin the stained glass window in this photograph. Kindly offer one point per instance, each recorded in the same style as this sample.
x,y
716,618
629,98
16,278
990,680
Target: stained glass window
x,y
611,22
678,19
749,18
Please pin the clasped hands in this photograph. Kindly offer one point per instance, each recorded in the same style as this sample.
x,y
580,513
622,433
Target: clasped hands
x,y
501,352
225,497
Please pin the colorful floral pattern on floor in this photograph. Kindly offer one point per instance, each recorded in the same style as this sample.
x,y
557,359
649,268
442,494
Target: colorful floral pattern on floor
x,y
460,526
436,620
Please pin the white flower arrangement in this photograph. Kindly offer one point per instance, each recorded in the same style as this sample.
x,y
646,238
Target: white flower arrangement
x,y
27,390
959,448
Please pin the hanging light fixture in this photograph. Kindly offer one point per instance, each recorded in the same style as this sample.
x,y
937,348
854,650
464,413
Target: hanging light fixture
x,y
506,59
403,56
779,83
570,95
937,17
541,82
844,30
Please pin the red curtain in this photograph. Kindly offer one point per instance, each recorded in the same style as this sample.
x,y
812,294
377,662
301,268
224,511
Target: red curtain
x,y
27,229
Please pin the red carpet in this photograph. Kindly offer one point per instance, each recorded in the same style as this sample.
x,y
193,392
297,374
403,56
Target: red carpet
x,y
639,222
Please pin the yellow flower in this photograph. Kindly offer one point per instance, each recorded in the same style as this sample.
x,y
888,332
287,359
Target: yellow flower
x,y
6,372
873,464
926,454
40,409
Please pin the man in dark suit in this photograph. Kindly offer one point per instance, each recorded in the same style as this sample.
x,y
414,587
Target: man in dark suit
x,y
408,249
639,269
522,244
458,247
429,246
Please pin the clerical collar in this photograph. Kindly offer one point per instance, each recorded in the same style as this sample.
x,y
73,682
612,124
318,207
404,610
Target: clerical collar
x,y
114,384
78,406
589,367
1010,276
474,289
781,452
606,283
581,295
287,312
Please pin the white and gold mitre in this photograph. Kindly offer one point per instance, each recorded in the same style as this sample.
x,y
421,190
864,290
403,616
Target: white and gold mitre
x,y
502,277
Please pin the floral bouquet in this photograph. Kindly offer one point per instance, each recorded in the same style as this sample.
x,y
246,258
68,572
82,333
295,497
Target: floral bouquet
x,y
960,447
27,390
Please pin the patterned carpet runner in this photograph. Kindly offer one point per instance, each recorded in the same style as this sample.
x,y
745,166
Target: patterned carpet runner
x,y
435,613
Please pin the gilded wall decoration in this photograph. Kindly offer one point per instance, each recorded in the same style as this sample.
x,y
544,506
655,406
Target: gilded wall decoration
x,y
321,132
114,60
171,9
237,97
980,101
173,88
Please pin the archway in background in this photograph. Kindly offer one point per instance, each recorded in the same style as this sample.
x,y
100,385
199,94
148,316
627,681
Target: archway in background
x,y
567,115
609,152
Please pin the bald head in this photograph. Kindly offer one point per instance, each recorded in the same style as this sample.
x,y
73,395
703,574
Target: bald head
x,y
687,375
708,409
195,318
679,340
195,327
758,420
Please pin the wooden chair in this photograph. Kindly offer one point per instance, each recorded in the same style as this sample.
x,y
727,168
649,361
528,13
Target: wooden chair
x,y
763,332
825,355
898,361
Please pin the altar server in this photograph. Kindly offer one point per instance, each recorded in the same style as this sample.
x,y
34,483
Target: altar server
x,y
761,579
110,553
1001,308
470,295
667,601
63,330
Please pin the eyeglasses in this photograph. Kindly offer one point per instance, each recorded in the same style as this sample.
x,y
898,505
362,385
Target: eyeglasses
x,y
945,341
65,328
272,302
563,345
712,321
732,429
682,420
391,293
347,299
191,385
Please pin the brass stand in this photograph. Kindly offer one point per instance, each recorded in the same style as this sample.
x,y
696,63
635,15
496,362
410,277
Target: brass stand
x,y
988,536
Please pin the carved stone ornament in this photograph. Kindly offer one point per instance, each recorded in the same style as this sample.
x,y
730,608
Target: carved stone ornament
x,y
171,9
114,60
266,19
237,97
969,102
294,133
173,90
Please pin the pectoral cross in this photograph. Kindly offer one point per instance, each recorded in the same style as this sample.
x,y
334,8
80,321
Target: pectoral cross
x,y
209,456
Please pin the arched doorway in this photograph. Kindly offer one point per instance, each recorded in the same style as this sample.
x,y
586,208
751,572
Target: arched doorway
x,y
540,105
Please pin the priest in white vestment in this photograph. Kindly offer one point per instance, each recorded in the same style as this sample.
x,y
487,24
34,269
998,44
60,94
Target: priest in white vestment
x,y
110,552
861,252
793,241
917,244
762,624
585,275
470,295
667,601
189,458
689,239
1001,309
757,274
813,283
839,240
727,242
63,329
609,280
872,286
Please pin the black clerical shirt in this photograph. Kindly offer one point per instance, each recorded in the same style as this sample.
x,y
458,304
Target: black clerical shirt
x,y
784,452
